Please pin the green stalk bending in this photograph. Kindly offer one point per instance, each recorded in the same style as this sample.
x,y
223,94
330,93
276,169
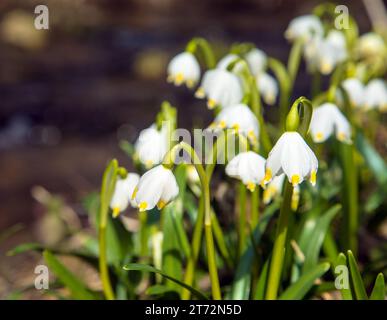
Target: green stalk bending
x,y
107,189
294,122
206,50
213,271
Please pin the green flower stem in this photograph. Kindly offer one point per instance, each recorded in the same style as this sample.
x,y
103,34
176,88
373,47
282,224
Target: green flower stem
x,y
294,60
283,78
298,119
213,271
206,50
192,259
350,186
254,208
107,189
256,107
143,216
279,245
242,218
316,84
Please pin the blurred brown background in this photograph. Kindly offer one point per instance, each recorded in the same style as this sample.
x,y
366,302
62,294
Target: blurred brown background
x,y
70,93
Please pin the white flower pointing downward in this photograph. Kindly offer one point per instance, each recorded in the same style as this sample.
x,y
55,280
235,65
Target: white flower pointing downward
x,y
305,27
292,156
158,186
151,146
221,88
376,95
240,118
184,68
326,120
122,193
248,167
267,87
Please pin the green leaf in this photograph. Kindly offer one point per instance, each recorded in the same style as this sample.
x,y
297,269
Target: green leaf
x,y
313,248
25,247
127,147
374,161
341,260
262,281
147,268
158,289
77,288
356,278
241,285
300,288
379,290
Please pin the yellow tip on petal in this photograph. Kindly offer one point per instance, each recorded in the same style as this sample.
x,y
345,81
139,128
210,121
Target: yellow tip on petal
x,y
142,206
179,79
268,194
190,83
341,136
295,180
267,178
313,176
116,212
161,204
326,68
134,193
200,94
148,163
222,124
319,136
236,127
211,103
250,186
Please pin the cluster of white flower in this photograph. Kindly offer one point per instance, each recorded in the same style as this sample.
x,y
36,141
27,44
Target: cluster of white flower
x,y
223,88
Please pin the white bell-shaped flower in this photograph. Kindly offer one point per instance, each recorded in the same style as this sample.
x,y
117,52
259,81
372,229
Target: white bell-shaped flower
x,y
151,146
267,87
240,118
355,90
370,44
247,166
256,60
331,51
184,68
305,27
158,186
221,88
274,189
324,54
123,191
225,62
328,119
292,156
376,95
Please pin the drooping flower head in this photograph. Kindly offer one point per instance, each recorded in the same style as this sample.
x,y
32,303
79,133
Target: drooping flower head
x,y
240,118
256,60
151,146
184,68
267,87
324,54
376,95
355,90
221,88
122,193
326,120
304,27
370,45
247,166
158,186
292,156
225,62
